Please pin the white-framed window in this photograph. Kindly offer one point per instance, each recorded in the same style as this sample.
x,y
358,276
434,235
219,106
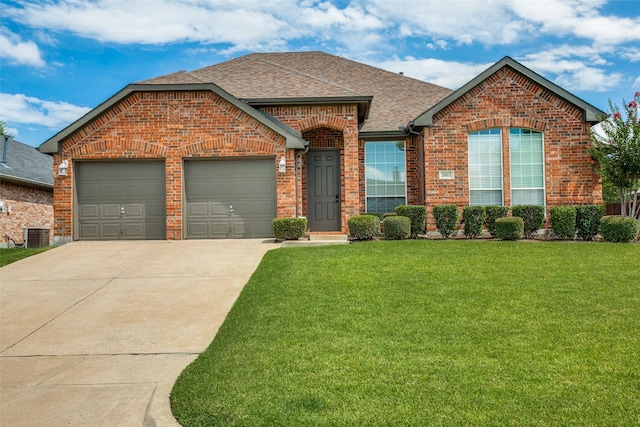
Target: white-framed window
x,y
385,175
527,167
485,167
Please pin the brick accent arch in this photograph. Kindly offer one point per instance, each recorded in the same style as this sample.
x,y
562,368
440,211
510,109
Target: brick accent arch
x,y
314,122
506,122
118,148
230,145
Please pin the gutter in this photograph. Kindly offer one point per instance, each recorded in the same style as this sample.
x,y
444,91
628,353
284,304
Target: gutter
x,y
409,129
295,166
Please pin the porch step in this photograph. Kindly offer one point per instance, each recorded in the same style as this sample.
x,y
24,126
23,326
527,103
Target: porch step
x,y
329,237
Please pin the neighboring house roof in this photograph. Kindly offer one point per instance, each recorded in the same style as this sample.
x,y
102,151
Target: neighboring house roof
x,y
292,137
317,77
25,165
590,113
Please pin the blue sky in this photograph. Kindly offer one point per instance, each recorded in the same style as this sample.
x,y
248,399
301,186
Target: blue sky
x,y
61,58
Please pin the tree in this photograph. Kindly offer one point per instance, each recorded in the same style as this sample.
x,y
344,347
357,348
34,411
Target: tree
x,y
616,152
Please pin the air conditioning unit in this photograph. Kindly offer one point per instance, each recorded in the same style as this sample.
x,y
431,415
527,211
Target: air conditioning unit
x,y
35,237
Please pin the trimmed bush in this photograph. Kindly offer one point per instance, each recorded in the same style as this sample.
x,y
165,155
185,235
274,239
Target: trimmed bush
x,y
396,227
620,229
588,220
417,215
376,214
473,217
492,213
289,228
509,228
364,227
446,219
532,215
563,221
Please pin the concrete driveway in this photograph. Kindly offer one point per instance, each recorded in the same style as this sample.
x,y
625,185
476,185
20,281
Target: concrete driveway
x,y
96,333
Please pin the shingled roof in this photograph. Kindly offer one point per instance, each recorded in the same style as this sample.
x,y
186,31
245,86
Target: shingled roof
x,y
396,99
25,165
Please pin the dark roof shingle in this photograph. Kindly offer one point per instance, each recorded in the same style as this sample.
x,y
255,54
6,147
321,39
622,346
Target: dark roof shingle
x,y
25,164
396,98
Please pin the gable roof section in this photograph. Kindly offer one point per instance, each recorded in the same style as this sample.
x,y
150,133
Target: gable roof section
x,y
25,165
295,78
590,113
182,81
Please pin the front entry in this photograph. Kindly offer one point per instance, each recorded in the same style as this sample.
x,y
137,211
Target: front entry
x,y
323,190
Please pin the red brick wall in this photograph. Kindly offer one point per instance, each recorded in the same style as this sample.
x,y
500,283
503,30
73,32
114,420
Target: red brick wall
x,y
30,207
504,100
329,126
171,126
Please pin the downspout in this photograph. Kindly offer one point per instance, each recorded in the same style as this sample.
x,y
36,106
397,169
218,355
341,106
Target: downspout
x,y
295,167
410,131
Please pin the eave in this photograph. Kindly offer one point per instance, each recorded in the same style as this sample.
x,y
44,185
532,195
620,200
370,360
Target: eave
x,y
590,113
52,145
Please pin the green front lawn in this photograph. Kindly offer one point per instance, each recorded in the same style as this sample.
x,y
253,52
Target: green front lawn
x,y
7,256
420,333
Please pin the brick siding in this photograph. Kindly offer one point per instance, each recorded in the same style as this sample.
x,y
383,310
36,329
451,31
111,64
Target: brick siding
x,y
30,208
507,100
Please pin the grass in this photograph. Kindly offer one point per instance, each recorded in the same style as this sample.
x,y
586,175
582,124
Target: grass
x,y
415,333
7,256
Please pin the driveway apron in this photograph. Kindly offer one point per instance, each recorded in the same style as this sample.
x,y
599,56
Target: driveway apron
x,y
96,333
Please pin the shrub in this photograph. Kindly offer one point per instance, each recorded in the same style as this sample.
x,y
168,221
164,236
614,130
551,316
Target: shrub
x,y
446,219
588,220
364,227
376,214
473,217
417,215
509,228
532,215
563,221
492,213
615,228
397,227
289,228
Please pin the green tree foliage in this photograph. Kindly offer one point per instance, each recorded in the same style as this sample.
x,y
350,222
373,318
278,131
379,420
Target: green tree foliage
x,y
616,152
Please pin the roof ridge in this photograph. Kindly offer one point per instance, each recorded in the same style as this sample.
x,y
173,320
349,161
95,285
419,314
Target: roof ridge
x,y
275,64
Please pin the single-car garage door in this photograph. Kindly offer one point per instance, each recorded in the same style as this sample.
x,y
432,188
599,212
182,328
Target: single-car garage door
x,y
230,198
120,200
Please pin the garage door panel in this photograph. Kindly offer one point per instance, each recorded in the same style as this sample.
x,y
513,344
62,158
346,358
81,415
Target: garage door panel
x,y
120,200
197,209
240,193
110,211
200,229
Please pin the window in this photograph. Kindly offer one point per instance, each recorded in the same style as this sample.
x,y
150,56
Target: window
x,y
527,167
385,176
485,167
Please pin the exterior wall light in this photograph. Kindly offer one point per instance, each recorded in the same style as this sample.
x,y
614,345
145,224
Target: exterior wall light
x,y
62,169
282,166
1,207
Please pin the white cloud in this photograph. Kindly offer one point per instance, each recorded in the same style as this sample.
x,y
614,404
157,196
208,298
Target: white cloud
x,y
636,84
14,50
451,74
23,109
581,68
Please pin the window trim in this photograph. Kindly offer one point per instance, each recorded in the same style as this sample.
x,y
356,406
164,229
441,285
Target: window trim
x,y
501,189
544,170
366,185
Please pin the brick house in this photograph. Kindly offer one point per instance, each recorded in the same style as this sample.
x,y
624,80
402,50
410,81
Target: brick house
x,y
218,152
26,191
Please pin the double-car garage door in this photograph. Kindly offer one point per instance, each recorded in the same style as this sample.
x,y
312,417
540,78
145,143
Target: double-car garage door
x,y
222,199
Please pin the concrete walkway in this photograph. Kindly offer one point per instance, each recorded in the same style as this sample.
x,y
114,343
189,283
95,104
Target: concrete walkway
x,y
96,333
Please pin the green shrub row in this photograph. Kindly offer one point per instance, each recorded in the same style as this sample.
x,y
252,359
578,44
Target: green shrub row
x,y
396,227
446,217
473,217
509,228
364,227
289,228
417,215
588,220
616,228
532,216
563,221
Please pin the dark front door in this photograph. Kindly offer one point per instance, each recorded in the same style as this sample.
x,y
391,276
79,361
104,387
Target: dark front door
x,y
323,190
